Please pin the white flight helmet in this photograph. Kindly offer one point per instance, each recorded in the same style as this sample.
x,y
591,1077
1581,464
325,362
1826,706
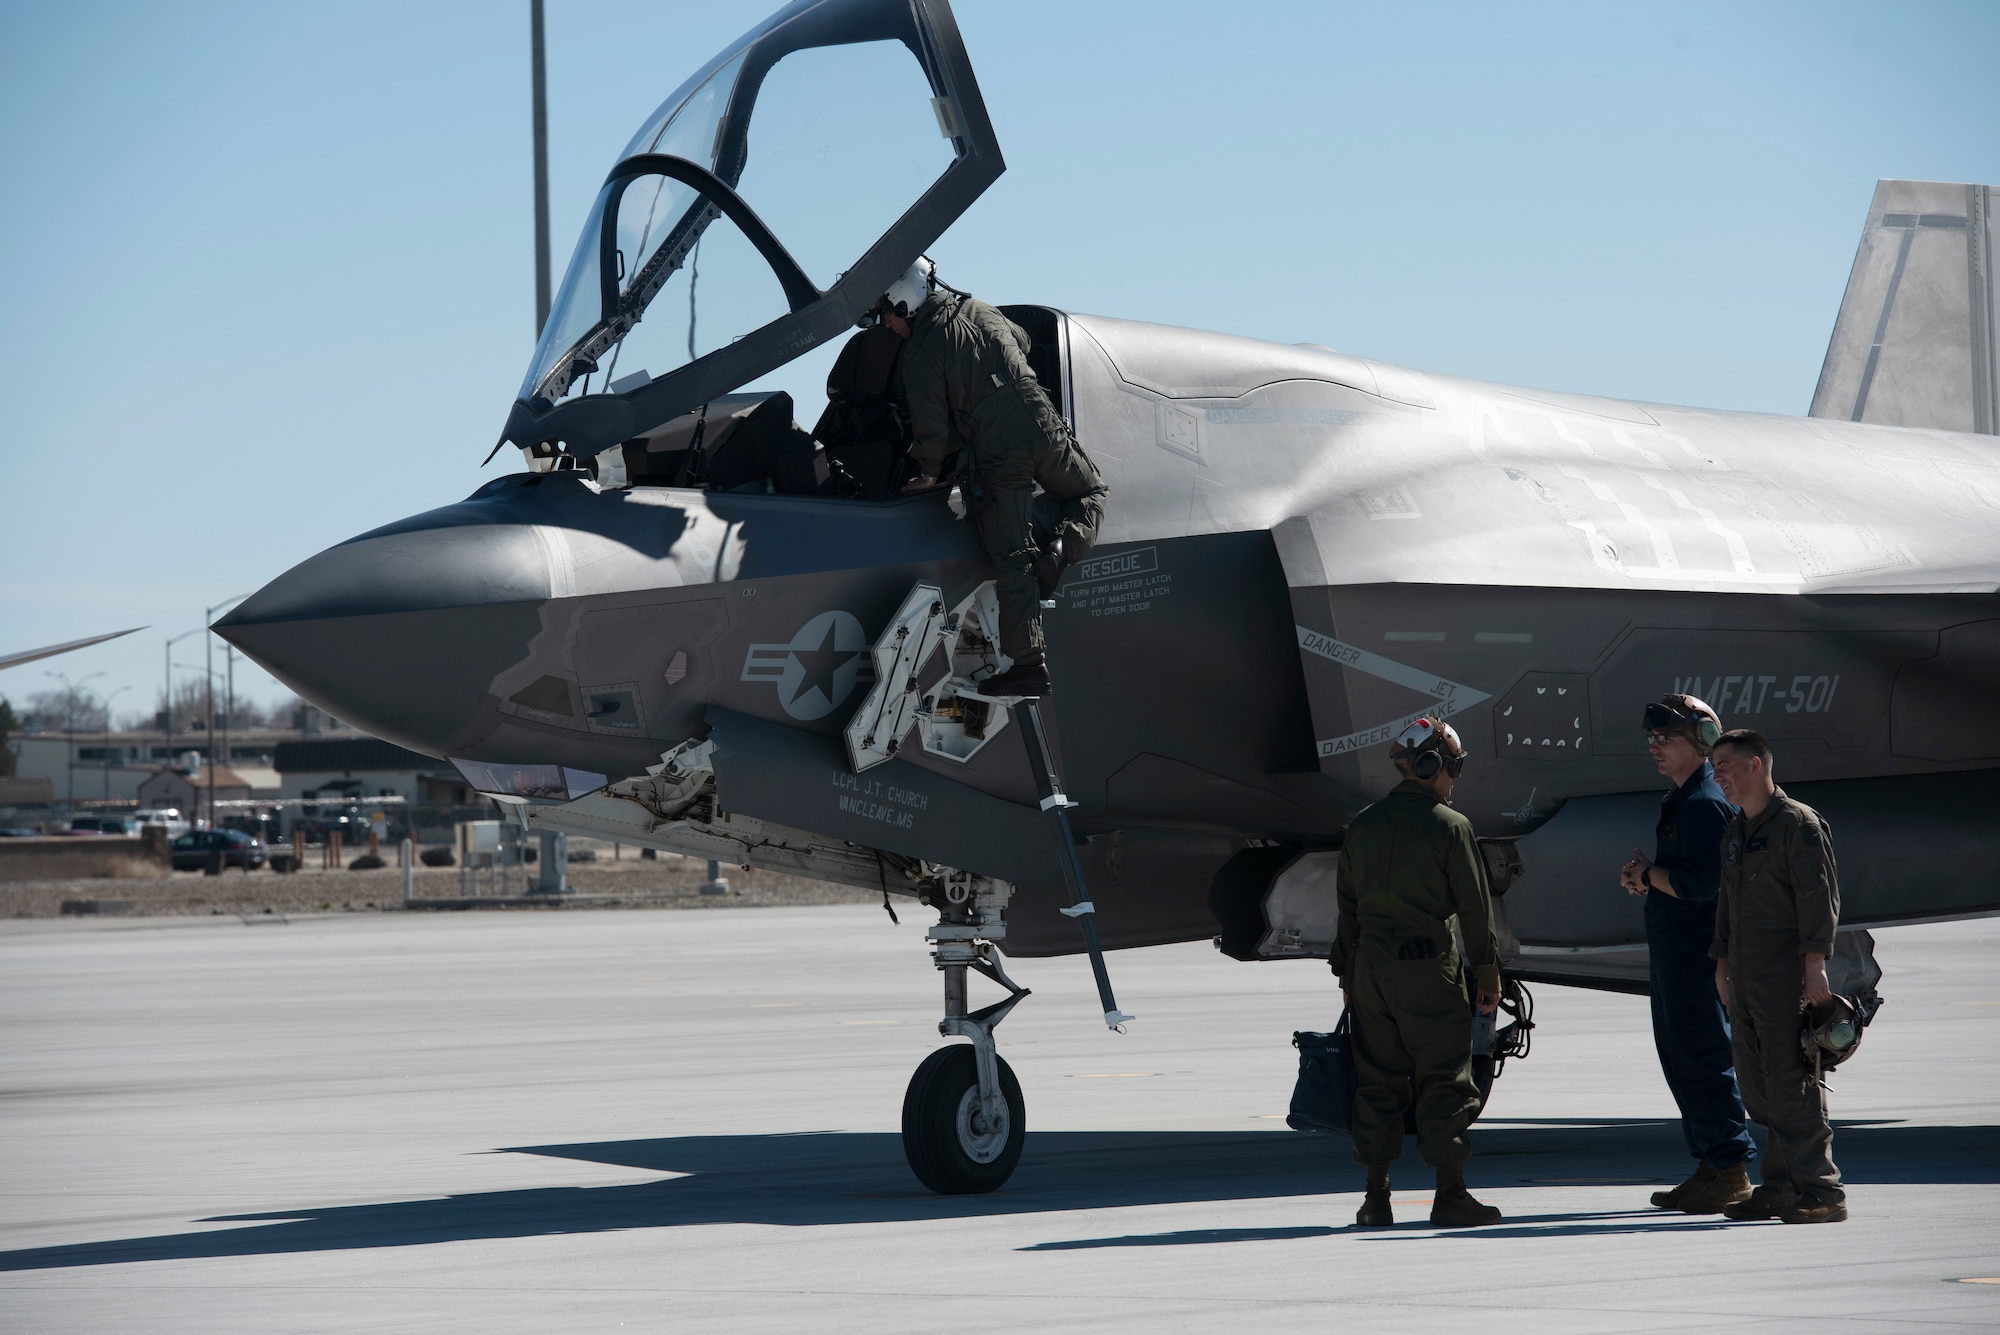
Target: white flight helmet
x,y
1428,745
908,292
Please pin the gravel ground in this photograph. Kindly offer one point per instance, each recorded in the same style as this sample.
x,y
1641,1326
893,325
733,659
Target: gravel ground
x,y
669,883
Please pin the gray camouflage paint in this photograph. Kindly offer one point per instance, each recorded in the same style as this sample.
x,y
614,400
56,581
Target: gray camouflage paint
x,y
1303,550
1292,567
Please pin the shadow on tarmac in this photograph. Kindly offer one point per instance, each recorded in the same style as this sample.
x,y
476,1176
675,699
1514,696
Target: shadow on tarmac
x,y
835,1178
1186,1237
1414,1224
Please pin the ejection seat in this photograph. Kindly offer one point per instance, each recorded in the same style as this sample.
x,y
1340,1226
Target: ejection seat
x,y
748,442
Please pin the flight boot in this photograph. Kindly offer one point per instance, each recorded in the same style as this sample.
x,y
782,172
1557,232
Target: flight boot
x,y
1807,1211
1759,1204
1453,1206
1374,1211
1725,1187
1671,1198
1023,679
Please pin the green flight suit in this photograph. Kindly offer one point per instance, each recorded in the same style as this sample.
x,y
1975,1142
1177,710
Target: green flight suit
x,y
972,394
1780,900
1409,868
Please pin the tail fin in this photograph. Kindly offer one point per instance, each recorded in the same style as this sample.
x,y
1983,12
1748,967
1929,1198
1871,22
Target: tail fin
x,y
1914,342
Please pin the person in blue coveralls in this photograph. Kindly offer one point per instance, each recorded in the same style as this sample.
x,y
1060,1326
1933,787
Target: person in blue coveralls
x,y
1690,1029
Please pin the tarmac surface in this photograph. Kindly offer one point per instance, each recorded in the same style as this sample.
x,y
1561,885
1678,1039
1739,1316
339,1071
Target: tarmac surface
x,y
652,1121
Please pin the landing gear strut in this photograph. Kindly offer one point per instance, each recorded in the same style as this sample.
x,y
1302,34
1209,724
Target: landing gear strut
x,y
963,1116
964,1119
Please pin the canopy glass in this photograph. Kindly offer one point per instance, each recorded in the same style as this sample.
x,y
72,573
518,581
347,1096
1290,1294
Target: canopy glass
x,y
749,218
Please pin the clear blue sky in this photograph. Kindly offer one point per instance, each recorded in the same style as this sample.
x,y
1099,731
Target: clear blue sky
x,y
268,268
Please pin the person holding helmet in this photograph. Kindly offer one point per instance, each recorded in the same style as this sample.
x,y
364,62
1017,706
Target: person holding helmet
x,y
1774,926
1690,1031
1409,873
977,410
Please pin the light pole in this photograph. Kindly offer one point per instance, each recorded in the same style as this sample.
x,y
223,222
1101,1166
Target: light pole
x,y
194,809
208,645
229,698
538,71
107,738
70,689
169,679
209,746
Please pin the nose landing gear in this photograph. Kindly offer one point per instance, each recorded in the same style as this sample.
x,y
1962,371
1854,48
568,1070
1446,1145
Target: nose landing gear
x,y
955,1147
964,1120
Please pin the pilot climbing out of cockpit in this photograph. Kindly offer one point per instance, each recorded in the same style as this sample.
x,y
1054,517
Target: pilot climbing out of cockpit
x,y
979,415
1409,871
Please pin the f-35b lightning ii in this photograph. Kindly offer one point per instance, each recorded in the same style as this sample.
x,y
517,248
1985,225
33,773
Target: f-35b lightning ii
x,y
693,625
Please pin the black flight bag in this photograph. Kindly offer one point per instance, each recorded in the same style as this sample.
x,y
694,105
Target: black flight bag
x,y
1323,1099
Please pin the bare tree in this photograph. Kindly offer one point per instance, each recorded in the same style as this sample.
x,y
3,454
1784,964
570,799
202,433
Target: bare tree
x,y
71,709
249,714
8,725
191,706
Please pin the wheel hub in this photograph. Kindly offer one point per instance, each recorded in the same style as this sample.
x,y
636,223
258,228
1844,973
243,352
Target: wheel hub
x,y
981,1138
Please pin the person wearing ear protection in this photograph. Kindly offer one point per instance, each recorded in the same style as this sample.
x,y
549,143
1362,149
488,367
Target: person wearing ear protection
x,y
979,416
1690,1030
1409,872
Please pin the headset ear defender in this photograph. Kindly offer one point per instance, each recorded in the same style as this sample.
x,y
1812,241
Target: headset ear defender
x,y
1686,715
1422,747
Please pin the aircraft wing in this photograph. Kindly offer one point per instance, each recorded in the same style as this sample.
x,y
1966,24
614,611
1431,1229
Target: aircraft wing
x,y
50,651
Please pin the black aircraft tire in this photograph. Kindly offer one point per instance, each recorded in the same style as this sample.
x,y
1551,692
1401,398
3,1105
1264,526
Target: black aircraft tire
x,y
944,1150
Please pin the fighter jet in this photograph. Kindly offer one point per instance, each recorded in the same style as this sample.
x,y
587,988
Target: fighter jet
x,y
697,625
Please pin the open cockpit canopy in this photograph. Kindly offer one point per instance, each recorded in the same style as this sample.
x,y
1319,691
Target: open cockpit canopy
x,y
757,214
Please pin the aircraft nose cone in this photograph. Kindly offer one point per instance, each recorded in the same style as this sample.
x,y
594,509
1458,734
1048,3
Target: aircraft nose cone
x,y
401,631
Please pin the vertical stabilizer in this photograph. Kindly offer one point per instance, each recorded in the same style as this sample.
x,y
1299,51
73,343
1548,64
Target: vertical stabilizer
x,y
1914,342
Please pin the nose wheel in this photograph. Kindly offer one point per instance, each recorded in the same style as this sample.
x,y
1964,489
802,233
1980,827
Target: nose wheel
x,y
963,1116
956,1141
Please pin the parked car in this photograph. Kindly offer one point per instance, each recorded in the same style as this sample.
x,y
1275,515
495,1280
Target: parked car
x,y
103,825
192,850
168,816
16,832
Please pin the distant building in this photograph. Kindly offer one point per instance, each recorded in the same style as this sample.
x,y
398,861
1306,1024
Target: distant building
x,y
20,792
300,770
190,790
109,767
357,767
353,769
264,780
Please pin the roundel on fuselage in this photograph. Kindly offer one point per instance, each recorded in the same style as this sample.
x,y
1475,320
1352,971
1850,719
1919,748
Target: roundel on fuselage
x,y
817,669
